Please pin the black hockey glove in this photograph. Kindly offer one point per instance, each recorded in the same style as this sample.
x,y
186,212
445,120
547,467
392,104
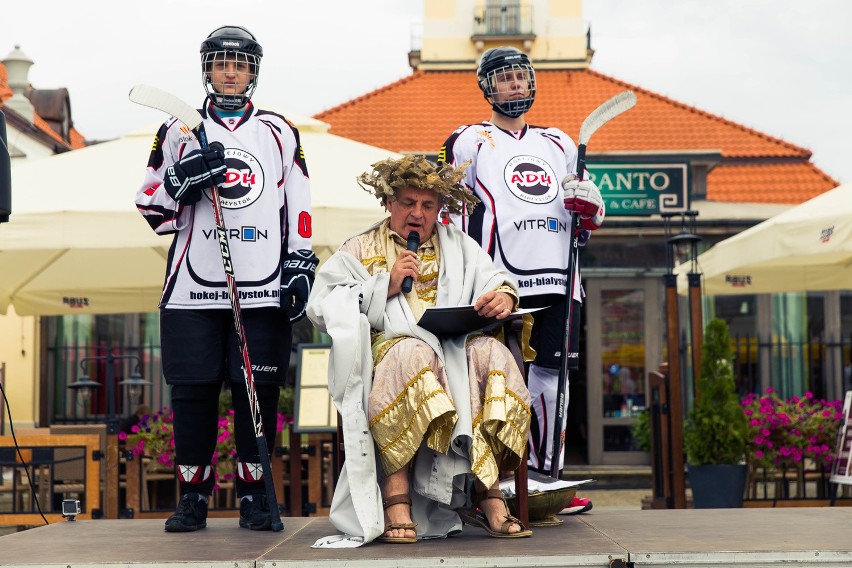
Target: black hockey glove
x,y
297,277
186,179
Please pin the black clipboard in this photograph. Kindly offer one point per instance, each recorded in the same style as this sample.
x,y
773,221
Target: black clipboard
x,y
461,320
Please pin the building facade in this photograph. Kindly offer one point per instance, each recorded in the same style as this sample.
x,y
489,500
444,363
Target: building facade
x,y
662,157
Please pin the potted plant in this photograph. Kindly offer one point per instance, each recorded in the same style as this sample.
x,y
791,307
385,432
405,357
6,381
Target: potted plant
x,y
716,430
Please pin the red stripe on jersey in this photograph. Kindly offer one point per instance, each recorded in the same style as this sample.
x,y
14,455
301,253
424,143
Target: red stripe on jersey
x,y
280,147
553,139
493,216
170,280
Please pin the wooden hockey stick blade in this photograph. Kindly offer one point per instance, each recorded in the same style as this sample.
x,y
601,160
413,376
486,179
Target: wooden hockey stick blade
x,y
607,111
153,97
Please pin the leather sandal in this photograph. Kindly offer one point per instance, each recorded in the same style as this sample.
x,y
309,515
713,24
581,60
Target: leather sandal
x,y
389,526
476,517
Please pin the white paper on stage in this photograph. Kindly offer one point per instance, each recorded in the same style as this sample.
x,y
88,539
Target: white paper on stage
x,y
538,483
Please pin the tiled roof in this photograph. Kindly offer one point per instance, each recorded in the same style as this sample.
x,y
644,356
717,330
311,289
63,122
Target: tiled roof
x,y
792,182
5,91
42,125
76,140
418,112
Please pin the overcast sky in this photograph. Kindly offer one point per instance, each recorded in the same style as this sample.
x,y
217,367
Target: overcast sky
x,y
783,67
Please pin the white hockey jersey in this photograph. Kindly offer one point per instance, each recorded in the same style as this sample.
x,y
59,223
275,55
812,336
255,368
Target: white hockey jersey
x,y
265,204
521,220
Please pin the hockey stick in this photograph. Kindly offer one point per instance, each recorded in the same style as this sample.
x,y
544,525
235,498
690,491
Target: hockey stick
x,y
155,98
611,108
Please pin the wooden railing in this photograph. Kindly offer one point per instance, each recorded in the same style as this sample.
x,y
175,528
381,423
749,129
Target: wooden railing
x,y
151,492
44,467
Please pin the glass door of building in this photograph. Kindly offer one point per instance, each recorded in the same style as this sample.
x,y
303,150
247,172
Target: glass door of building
x,y
623,343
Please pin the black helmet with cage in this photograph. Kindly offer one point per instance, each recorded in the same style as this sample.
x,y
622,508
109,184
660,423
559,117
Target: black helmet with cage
x,y
501,63
238,45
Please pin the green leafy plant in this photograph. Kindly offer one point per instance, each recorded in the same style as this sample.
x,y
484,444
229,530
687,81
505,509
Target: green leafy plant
x,y
716,430
641,431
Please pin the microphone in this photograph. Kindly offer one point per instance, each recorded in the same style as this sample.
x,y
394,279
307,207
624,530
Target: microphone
x,y
413,243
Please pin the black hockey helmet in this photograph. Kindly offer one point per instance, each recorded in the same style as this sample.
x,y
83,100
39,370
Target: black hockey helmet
x,y
240,45
500,60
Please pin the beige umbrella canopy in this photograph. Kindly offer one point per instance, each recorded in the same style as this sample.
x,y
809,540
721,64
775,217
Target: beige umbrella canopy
x,y
806,248
76,244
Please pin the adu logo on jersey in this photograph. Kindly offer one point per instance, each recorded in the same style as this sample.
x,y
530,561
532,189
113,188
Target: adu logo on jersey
x,y
531,179
243,179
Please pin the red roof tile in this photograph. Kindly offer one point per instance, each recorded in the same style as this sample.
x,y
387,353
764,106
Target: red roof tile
x,y
792,182
42,125
5,91
77,140
418,112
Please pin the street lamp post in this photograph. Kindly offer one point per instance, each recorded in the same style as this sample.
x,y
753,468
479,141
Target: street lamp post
x,y
84,385
679,246
696,318
684,247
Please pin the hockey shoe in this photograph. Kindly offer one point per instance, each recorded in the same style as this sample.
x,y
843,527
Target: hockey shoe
x,y
191,514
254,513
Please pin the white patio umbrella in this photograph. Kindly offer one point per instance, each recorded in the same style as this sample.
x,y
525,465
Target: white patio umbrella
x,y
806,248
76,244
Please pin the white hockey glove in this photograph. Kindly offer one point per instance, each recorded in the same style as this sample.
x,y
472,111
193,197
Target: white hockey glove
x,y
297,278
584,198
187,178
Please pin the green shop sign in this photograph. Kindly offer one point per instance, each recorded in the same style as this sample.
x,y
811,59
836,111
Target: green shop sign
x,y
642,189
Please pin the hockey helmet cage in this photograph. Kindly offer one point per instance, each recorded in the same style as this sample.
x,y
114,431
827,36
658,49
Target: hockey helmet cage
x,y
237,44
497,63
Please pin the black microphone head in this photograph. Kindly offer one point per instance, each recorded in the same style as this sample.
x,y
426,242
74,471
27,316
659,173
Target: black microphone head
x,y
413,241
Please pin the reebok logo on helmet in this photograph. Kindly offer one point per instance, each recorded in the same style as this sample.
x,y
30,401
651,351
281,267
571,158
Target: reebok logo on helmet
x,y
230,43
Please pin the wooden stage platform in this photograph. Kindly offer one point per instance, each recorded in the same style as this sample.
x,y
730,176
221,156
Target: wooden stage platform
x,y
694,538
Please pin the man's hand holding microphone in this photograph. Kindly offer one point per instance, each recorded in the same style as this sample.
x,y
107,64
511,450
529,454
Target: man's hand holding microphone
x,y
404,270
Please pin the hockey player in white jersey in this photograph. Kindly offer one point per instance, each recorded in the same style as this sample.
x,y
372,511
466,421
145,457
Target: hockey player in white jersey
x,y
256,159
524,178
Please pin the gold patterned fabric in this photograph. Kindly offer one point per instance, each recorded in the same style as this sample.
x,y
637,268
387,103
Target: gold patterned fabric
x,y
410,399
500,405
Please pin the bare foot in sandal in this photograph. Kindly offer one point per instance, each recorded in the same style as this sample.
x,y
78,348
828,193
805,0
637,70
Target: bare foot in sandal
x,y
397,504
497,512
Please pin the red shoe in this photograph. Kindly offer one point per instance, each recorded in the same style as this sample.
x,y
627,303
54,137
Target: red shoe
x,y
578,505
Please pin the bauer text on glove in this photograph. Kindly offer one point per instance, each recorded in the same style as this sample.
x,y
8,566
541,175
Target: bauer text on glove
x,y
187,178
297,277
